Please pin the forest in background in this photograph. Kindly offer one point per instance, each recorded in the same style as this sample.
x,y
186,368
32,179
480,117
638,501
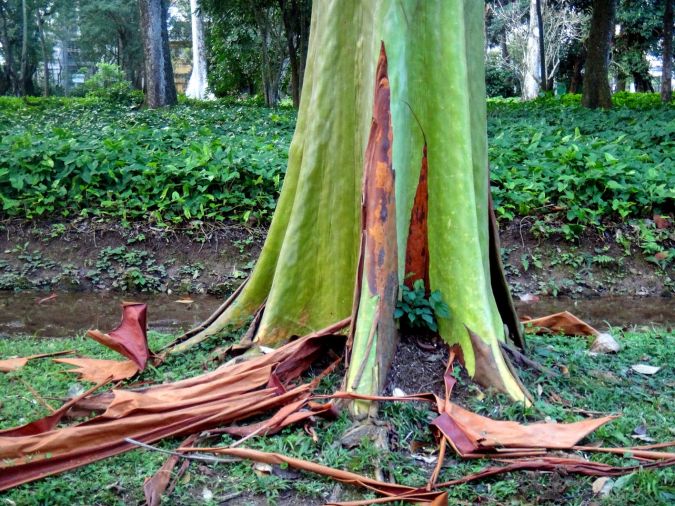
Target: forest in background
x,y
257,48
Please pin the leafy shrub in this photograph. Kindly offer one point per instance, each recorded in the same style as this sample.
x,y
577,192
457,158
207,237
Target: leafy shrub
x,y
568,167
573,168
109,83
420,311
87,157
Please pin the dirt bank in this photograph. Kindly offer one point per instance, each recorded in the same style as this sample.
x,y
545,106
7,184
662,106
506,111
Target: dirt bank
x,y
85,255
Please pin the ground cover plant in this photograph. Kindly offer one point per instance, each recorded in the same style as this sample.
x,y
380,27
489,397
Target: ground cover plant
x,y
585,384
568,167
93,158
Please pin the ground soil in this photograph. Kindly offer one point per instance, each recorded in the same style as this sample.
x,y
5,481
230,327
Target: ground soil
x,y
86,255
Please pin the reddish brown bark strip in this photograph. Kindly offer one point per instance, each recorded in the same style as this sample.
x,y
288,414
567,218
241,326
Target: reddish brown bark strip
x,y
130,337
417,250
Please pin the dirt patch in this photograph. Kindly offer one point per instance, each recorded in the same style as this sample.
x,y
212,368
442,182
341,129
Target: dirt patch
x,y
86,255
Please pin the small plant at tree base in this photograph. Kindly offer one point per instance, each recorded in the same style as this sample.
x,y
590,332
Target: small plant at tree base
x,y
419,311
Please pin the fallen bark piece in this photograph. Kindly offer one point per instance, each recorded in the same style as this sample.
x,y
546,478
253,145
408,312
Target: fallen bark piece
x,y
157,484
16,363
130,337
98,370
559,323
602,486
470,433
393,491
434,495
49,422
204,402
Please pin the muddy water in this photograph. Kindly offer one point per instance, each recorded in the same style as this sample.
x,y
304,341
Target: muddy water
x,y
617,311
73,313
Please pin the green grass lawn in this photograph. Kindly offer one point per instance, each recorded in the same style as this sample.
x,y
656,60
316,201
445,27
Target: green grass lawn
x,y
602,383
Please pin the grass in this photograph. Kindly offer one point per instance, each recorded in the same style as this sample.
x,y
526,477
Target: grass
x,y
603,383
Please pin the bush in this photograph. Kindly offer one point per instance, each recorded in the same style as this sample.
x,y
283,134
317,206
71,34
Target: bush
x,y
110,84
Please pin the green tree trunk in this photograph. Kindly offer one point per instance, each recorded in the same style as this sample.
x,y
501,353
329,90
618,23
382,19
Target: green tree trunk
x,y
364,132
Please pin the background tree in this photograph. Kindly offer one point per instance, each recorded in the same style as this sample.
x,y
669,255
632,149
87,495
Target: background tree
x,y
639,32
159,83
563,24
534,77
198,84
110,32
667,67
296,16
265,28
596,90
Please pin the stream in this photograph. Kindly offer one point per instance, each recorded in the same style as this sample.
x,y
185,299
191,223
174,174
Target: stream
x,y
70,314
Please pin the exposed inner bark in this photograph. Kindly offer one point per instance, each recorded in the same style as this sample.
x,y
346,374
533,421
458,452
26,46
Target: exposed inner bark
x,y
374,337
342,215
417,252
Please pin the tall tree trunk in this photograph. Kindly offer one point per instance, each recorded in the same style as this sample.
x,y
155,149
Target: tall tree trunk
x,y
621,81
270,83
198,84
296,27
8,53
160,86
533,78
542,51
289,14
596,91
577,77
342,216
667,69
45,53
65,56
24,48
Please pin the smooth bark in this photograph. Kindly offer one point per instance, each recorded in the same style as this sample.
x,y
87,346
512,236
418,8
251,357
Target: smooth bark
x,y
533,76
596,90
542,51
198,84
341,232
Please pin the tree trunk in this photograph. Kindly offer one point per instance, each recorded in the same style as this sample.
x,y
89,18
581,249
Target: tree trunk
x,y
542,53
577,77
24,48
621,81
160,87
533,77
596,91
343,216
270,83
8,53
296,27
667,69
289,13
45,53
198,84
